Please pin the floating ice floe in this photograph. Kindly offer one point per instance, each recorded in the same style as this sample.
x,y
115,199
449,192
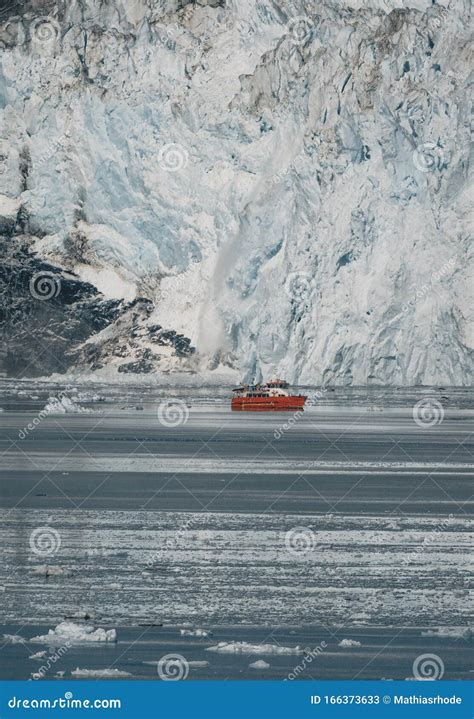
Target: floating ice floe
x,y
76,634
49,571
60,674
246,648
194,632
349,643
100,673
449,632
196,664
88,397
64,405
259,664
38,656
14,639
418,679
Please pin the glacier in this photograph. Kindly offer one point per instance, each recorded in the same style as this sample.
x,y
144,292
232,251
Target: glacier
x,y
242,187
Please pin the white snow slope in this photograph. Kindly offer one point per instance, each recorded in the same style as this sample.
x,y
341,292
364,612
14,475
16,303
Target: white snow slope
x,y
287,181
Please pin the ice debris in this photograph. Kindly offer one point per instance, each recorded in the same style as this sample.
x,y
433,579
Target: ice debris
x,y
76,634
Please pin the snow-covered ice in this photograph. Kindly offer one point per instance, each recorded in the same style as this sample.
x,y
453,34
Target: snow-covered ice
x,y
194,632
246,648
266,190
38,656
100,673
76,634
449,632
259,664
65,405
14,639
349,643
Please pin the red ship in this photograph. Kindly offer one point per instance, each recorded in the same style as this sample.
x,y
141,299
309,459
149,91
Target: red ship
x,y
270,397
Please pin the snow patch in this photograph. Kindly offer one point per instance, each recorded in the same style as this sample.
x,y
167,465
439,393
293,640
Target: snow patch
x,y
259,664
109,282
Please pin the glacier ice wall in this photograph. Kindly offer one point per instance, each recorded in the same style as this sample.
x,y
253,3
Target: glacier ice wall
x,y
286,181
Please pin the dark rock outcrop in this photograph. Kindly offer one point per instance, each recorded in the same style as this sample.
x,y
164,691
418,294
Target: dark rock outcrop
x,y
52,321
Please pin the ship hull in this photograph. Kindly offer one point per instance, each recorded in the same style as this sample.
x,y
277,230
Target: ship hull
x,y
268,404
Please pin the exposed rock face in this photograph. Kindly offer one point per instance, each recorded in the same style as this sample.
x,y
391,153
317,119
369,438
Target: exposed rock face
x,y
54,322
282,185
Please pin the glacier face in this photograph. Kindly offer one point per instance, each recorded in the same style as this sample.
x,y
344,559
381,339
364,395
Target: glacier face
x,y
287,182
